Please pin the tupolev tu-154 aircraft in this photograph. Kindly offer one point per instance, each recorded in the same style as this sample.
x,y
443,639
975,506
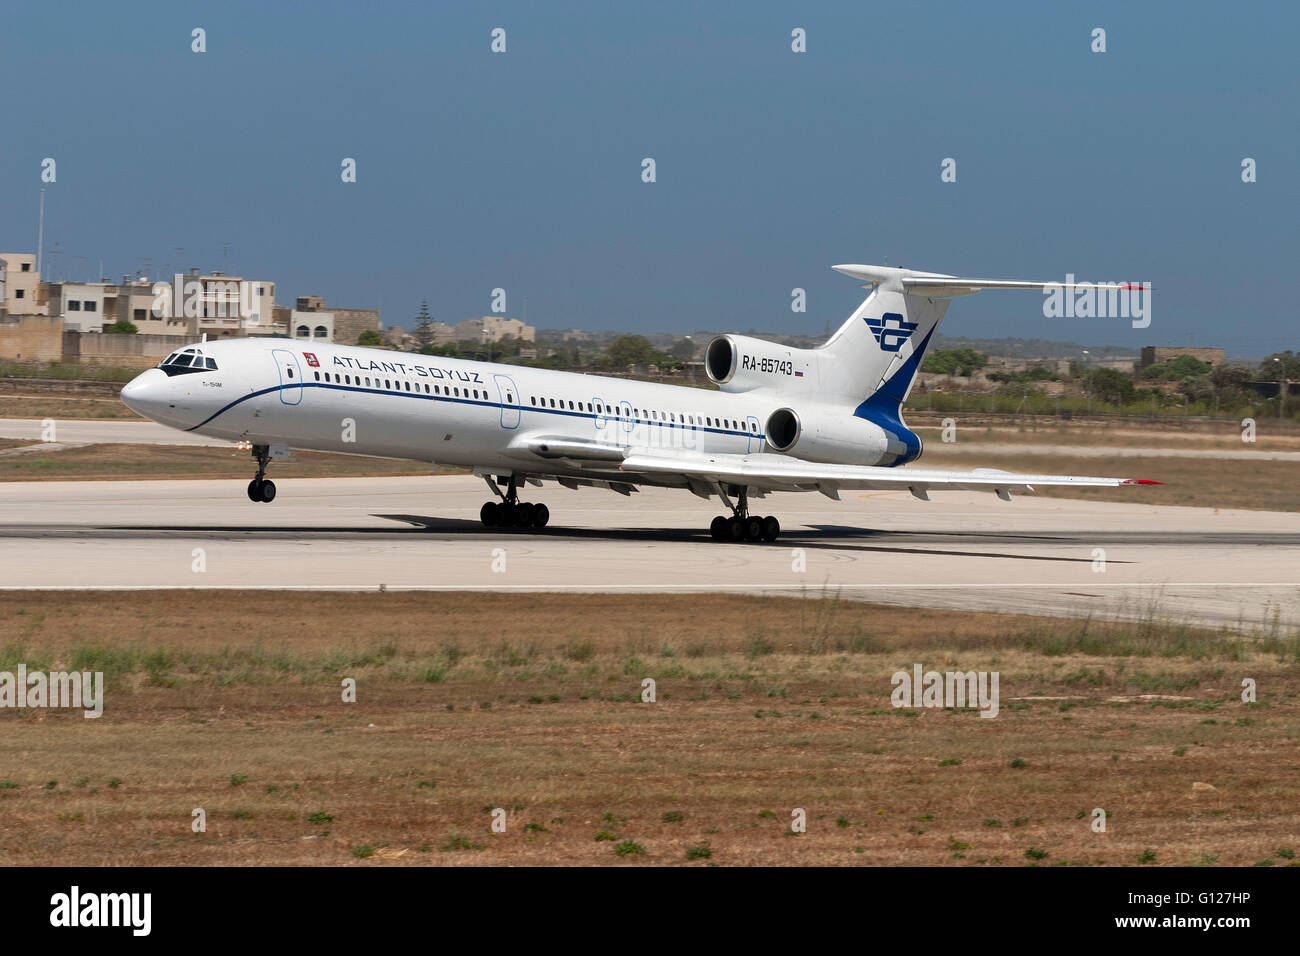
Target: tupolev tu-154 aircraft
x,y
827,419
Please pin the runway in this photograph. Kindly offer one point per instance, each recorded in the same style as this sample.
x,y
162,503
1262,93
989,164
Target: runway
x,y
962,549
80,432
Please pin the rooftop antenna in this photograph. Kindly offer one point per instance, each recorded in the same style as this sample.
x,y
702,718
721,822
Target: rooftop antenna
x,y
40,231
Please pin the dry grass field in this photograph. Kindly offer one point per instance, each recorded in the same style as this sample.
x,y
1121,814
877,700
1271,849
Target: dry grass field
x,y
231,702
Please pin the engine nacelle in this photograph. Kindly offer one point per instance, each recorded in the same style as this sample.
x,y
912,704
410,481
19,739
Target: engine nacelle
x,y
841,438
738,363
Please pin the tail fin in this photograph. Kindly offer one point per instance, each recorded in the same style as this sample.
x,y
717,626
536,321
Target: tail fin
x,y
874,357
879,350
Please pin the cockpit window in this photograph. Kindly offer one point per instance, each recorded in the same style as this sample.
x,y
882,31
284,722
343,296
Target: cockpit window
x,y
186,361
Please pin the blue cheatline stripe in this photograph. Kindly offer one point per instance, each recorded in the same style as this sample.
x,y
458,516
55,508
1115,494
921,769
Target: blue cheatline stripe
x,y
594,416
884,407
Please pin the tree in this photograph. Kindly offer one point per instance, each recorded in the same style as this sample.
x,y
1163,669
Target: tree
x,y
1109,385
1280,365
1227,376
446,351
630,350
423,331
683,350
122,327
369,337
1177,369
954,362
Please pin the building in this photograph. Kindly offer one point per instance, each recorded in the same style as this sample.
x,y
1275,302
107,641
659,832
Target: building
x,y
84,306
397,337
311,326
137,301
494,328
225,305
90,306
1157,354
20,284
345,325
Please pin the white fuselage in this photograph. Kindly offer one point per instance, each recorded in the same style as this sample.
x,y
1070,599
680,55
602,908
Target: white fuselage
x,y
449,411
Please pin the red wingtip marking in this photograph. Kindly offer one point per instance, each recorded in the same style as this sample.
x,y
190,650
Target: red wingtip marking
x,y
1142,481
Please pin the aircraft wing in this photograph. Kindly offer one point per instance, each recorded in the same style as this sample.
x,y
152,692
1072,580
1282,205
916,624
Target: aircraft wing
x,y
609,464
770,472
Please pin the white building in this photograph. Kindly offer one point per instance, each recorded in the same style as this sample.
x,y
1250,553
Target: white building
x,y
85,306
226,305
20,280
313,326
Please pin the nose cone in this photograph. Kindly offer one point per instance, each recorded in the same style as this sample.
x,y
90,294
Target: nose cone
x,y
152,395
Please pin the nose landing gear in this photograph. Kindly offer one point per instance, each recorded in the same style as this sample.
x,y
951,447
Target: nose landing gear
x,y
261,488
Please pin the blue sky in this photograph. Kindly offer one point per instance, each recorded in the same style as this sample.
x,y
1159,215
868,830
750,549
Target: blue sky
x,y
522,170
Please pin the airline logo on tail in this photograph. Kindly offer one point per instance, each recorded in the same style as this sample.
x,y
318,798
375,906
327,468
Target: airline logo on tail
x,y
891,330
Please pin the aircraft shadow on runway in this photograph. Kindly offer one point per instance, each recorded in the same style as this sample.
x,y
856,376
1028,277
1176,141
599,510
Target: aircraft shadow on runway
x,y
832,540
832,537
822,537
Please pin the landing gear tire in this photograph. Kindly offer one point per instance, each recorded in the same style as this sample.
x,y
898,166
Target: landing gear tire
x,y
262,490
735,529
510,512
753,528
771,528
719,528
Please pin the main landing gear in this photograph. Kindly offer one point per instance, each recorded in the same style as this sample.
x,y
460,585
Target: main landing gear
x,y
261,488
742,526
510,512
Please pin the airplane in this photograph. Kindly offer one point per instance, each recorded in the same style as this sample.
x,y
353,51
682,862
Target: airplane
x,y
827,419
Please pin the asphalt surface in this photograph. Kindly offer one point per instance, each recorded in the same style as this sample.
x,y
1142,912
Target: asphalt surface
x,y
960,550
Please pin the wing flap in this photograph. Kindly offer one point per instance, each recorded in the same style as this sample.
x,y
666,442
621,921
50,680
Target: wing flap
x,y
780,473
